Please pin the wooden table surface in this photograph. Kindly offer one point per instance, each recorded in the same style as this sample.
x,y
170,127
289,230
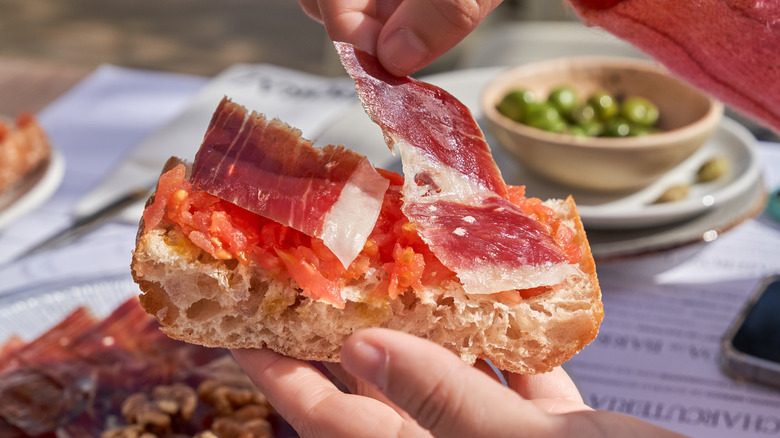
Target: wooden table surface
x,y
32,85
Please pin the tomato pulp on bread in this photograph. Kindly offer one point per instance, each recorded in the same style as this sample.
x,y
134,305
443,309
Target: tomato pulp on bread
x,y
226,232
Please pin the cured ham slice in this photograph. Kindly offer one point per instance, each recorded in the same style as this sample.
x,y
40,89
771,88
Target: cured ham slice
x,y
267,167
454,192
52,345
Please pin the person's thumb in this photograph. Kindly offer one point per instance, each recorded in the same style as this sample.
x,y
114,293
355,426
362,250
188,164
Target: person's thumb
x,y
420,31
437,389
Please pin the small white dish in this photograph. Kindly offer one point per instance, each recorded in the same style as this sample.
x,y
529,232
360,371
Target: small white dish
x,y
638,210
34,190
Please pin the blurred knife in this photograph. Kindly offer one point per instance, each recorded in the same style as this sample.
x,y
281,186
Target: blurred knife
x,y
85,224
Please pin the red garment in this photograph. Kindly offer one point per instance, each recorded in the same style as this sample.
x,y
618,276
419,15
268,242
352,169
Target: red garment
x,y
731,48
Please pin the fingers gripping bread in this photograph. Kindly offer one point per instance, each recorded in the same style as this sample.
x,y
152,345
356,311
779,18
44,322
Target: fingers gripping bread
x,y
218,303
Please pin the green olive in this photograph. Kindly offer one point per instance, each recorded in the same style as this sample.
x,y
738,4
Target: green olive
x,y
577,131
674,194
593,128
515,104
713,169
564,98
543,111
544,116
617,127
640,111
604,105
549,125
583,114
639,130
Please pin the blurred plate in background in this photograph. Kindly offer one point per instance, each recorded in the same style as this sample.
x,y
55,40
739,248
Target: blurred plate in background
x,y
33,190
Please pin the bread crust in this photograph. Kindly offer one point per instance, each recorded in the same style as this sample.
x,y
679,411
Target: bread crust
x,y
215,303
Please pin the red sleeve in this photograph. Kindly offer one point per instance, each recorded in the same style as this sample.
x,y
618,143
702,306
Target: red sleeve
x,y
726,47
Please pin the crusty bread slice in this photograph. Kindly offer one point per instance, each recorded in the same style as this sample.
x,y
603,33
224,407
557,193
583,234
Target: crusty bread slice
x,y
216,303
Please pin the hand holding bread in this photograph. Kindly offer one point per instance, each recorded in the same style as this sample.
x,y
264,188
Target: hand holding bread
x,y
238,251
405,386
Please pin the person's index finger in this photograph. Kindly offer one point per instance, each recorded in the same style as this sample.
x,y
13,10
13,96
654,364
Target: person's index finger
x,y
312,404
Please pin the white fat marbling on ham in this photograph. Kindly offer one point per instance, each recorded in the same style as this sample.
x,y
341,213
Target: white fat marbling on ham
x,y
350,220
426,179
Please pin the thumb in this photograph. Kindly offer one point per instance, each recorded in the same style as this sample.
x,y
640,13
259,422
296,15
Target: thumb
x,y
420,31
436,388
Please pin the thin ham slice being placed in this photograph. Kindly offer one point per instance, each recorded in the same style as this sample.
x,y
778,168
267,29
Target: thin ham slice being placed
x,y
266,167
453,192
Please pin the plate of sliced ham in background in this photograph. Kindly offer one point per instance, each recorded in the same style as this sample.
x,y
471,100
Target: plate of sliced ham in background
x,y
79,357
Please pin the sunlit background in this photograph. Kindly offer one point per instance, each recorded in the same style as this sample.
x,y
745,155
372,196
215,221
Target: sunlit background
x,y
192,36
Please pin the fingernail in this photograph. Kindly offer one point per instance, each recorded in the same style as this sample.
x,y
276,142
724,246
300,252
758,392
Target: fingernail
x,y
405,51
367,362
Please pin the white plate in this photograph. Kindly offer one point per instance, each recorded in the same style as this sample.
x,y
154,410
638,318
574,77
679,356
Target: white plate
x,y
354,129
637,210
28,313
33,190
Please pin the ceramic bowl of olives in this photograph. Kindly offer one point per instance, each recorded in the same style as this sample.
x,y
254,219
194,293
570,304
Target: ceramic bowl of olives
x,y
598,123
